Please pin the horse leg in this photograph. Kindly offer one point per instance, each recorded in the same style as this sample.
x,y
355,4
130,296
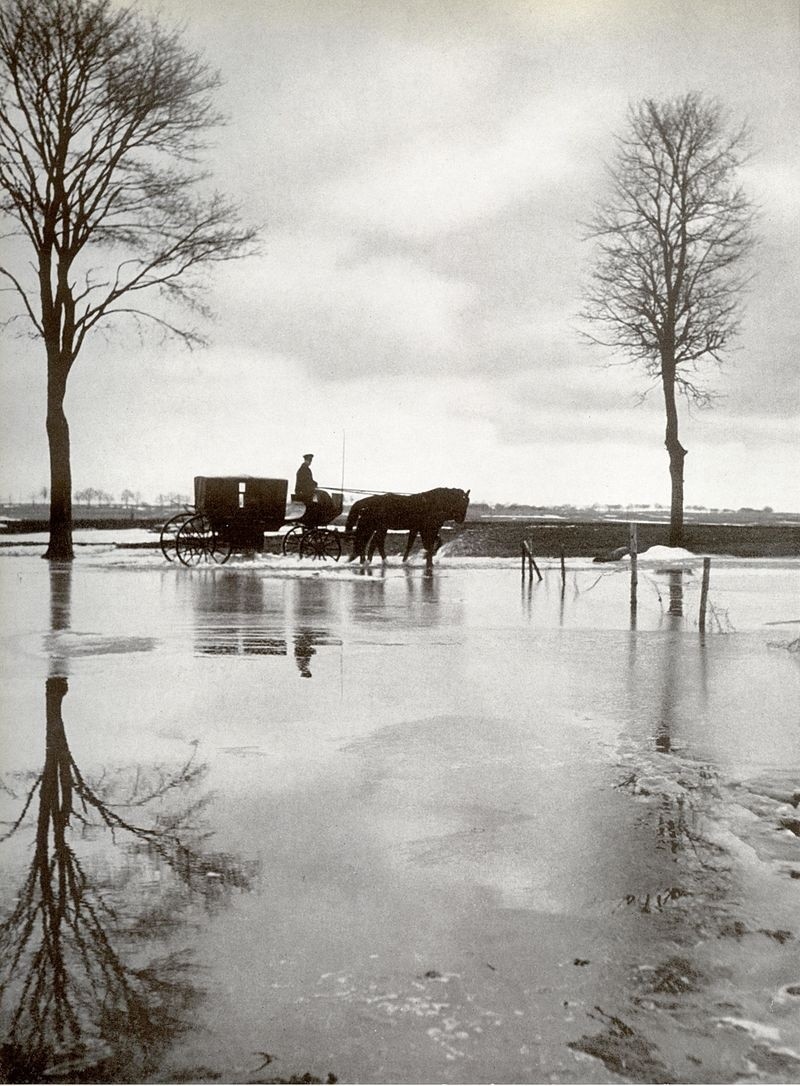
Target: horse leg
x,y
360,540
412,538
351,533
377,543
428,538
380,539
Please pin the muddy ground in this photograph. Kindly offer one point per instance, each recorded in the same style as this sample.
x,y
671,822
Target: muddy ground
x,y
579,538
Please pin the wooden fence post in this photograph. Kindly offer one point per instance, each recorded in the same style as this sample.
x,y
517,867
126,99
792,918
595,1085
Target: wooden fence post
x,y
527,552
563,569
533,563
704,592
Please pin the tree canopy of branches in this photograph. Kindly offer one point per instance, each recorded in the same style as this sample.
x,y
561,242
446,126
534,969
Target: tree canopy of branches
x,y
103,121
672,236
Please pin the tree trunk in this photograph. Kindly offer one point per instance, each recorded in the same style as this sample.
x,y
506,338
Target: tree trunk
x,y
676,458
677,454
60,548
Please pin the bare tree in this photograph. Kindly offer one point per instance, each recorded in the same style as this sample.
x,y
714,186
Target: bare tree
x,y
102,122
671,237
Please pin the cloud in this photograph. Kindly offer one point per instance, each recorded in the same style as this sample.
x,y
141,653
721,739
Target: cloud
x,y
436,185
773,186
315,299
421,170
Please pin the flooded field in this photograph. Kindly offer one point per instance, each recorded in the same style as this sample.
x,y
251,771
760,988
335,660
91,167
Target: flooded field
x,y
267,821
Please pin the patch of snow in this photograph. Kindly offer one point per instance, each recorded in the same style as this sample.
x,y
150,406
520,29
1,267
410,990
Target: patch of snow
x,y
664,554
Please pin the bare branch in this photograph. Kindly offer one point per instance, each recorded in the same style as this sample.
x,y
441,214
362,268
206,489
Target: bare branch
x,y
20,290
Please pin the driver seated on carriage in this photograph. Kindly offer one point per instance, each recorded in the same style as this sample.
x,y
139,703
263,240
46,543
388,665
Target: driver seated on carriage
x,y
320,506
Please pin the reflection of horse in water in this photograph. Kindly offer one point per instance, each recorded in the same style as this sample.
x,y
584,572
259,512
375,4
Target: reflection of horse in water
x,y
419,514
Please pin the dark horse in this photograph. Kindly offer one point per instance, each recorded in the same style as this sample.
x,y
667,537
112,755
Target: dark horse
x,y
420,514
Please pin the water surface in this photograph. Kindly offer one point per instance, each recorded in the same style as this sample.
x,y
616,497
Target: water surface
x,y
265,821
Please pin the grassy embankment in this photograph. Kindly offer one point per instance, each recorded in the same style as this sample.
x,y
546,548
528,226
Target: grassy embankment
x,y
580,538
586,539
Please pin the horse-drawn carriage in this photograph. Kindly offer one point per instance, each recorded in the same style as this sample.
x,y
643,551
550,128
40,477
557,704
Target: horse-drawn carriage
x,y
232,513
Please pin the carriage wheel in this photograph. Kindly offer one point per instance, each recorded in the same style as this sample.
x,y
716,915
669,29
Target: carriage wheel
x,y
197,540
218,550
190,542
169,534
322,544
292,540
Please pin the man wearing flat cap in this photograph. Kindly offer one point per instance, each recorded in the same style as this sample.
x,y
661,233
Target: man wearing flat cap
x,y
305,484
320,506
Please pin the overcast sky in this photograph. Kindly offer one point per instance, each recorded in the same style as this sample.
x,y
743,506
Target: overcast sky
x,y
421,171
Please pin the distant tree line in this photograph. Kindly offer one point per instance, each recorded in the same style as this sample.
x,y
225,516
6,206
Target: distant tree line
x,y
93,496
478,510
130,499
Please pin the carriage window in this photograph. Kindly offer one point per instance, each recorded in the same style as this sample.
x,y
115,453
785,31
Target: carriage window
x,y
241,495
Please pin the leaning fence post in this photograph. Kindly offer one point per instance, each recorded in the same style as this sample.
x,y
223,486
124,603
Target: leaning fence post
x,y
533,563
527,551
633,550
704,592
563,568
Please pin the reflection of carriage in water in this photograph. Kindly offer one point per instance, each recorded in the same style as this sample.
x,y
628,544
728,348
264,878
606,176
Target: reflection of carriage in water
x,y
232,513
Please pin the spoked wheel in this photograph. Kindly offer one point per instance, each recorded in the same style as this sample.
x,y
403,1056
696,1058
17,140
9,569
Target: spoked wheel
x,y
169,534
293,540
197,541
321,544
218,550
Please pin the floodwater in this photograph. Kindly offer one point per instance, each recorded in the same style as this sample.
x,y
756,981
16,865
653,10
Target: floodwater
x,y
267,821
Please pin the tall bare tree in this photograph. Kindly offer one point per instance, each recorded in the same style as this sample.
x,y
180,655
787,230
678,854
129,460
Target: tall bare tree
x,y
103,119
672,236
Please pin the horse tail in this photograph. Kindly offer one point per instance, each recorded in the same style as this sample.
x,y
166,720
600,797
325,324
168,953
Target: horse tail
x,y
356,510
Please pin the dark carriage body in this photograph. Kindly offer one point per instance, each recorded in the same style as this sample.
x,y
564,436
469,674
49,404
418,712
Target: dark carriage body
x,y
233,513
242,507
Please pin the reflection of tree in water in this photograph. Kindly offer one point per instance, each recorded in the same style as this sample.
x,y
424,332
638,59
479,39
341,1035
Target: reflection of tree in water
x,y
303,651
670,686
679,792
74,1008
